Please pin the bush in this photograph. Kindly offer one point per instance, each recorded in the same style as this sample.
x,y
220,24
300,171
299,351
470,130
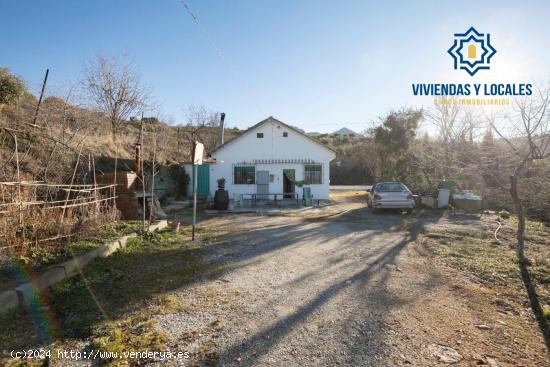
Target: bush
x,y
11,87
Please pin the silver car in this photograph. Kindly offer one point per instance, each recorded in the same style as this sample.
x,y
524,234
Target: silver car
x,y
390,195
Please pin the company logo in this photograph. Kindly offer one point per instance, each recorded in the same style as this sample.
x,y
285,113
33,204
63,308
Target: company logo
x,y
472,51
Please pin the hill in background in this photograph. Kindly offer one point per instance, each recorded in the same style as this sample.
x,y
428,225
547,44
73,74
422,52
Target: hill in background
x,y
345,131
341,132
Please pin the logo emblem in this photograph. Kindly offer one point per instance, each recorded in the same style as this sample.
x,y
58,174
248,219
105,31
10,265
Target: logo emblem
x,y
472,51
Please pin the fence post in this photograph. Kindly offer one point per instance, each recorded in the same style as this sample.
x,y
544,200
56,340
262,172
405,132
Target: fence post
x,y
70,187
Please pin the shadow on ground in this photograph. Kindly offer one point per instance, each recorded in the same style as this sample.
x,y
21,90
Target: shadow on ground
x,y
360,222
132,277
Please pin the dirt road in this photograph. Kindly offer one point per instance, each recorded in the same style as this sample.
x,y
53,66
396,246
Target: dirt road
x,y
350,290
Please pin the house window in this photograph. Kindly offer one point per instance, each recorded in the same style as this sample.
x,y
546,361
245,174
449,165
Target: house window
x,y
285,135
313,174
244,175
259,135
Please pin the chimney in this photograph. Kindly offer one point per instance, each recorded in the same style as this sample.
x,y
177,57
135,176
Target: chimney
x,y
222,118
137,160
137,157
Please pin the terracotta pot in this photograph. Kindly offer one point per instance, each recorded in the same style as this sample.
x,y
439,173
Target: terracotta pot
x,y
174,225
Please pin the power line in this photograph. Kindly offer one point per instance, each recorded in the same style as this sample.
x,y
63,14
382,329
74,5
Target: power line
x,y
220,54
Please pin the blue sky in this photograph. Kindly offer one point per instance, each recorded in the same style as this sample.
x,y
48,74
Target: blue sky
x,y
319,65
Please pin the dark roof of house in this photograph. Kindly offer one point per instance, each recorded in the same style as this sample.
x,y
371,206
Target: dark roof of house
x,y
273,119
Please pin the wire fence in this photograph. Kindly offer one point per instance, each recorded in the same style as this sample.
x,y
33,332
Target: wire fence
x,y
34,214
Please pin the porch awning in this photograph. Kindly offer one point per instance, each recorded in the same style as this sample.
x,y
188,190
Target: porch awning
x,y
283,160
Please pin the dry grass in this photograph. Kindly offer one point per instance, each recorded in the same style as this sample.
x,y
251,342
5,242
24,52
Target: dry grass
x,y
472,250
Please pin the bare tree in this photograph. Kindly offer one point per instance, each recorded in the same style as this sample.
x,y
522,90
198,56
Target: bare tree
x,y
424,157
526,133
446,117
115,89
202,125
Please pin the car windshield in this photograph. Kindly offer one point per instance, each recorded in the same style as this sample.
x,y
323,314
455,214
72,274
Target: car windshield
x,y
391,186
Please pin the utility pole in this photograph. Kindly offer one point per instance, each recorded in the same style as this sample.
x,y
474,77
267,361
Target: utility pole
x,y
142,171
152,208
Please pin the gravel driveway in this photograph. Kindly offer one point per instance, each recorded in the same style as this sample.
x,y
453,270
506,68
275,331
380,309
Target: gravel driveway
x,y
348,290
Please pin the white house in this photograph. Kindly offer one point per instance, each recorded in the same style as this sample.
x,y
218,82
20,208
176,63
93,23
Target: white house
x,y
267,159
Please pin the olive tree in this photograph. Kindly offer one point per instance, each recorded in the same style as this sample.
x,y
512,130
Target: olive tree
x,y
392,139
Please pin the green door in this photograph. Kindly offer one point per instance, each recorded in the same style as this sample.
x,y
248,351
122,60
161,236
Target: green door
x,y
203,183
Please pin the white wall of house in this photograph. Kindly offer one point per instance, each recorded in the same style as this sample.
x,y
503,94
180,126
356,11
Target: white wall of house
x,y
278,152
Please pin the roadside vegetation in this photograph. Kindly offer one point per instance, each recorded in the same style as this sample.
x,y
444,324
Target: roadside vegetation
x,y
14,268
111,305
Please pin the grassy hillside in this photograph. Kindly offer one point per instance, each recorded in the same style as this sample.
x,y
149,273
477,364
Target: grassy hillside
x,y
48,148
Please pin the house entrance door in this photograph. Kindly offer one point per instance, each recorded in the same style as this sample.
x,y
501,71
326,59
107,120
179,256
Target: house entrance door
x,y
262,184
288,185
